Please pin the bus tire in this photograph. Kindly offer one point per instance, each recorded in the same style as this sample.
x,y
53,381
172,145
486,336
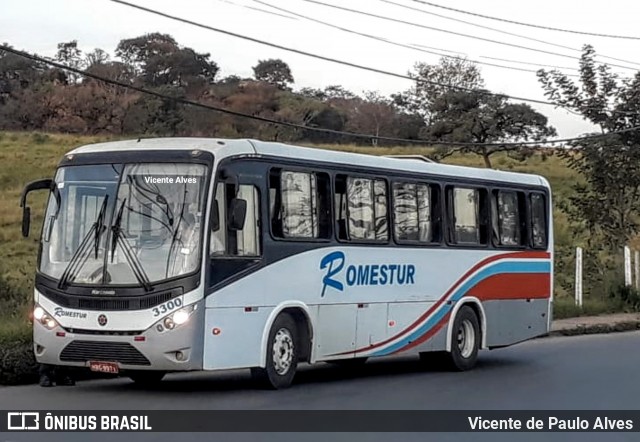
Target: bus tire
x,y
146,378
465,341
282,355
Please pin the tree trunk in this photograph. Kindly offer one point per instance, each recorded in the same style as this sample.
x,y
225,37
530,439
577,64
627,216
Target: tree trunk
x,y
487,161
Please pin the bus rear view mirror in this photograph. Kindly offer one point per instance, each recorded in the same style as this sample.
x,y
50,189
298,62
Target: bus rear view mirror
x,y
26,220
237,213
26,211
215,216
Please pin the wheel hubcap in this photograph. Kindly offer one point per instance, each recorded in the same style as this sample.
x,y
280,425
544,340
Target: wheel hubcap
x,y
282,351
466,338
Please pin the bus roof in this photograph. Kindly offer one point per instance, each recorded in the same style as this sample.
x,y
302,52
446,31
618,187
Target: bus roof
x,y
223,148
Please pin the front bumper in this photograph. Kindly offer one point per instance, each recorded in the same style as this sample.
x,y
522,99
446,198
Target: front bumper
x,y
180,349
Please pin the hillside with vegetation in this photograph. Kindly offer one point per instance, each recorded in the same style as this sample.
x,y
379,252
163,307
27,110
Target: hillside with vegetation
x,y
155,86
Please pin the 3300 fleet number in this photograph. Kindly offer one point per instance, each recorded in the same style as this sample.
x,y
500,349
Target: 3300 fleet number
x,y
167,307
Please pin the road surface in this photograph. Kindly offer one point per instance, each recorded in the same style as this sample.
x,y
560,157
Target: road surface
x,y
600,372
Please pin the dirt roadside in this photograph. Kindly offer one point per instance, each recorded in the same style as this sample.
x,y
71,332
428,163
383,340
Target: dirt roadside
x,y
584,325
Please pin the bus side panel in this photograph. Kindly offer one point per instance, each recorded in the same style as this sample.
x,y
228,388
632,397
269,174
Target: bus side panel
x,y
336,331
510,321
403,314
233,337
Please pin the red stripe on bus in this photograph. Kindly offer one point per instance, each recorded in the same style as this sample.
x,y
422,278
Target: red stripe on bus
x,y
513,286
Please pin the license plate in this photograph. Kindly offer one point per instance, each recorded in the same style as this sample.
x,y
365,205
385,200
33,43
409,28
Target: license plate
x,y
104,367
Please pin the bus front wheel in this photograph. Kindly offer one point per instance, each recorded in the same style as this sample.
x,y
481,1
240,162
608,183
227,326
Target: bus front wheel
x,y
282,354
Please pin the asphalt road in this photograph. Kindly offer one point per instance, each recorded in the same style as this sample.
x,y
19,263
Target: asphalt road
x,y
598,372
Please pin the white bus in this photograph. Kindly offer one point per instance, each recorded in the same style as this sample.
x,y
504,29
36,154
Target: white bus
x,y
166,255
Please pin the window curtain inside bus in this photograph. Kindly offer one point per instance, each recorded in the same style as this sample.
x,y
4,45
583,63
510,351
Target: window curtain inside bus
x,y
412,206
299,205
367,209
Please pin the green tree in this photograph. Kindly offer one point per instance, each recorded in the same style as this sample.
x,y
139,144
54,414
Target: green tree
x,y
477,117
161,61
70,55
275,72
432,81
608,201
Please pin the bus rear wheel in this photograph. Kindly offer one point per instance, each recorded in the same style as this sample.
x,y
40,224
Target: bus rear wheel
x,y
465,344
282,355
146,378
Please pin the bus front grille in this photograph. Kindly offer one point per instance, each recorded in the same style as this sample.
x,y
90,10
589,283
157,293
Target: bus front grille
x,y
114,303
122,352
82,331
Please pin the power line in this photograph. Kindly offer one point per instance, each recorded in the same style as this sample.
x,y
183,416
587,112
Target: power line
x,y
257,9
391,42
458,53
419,47
504,20
39,59
447,31
501,31
345,63
529,64
329,59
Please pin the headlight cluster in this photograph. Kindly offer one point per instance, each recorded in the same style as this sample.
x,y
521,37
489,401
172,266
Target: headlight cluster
x,y
176,318
44,318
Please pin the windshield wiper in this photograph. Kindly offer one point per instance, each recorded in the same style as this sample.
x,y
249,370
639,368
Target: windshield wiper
x,y
99,226
79,258
129,254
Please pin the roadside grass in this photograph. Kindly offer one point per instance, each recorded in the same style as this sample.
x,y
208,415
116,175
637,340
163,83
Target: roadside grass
x,y
17,361
565,307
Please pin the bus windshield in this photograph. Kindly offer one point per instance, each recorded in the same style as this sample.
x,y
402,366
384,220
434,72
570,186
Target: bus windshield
x,y
124,224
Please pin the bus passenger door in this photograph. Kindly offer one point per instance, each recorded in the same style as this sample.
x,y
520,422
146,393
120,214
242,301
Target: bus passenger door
x,y
371,324
336,331
235,249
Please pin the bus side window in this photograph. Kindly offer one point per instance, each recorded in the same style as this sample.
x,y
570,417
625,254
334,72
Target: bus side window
x,y
299,204
508,218
218,238
361,209
412,206
469,217
243,242
538,221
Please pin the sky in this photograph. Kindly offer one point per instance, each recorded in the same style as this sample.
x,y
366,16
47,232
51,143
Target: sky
x,y
38,25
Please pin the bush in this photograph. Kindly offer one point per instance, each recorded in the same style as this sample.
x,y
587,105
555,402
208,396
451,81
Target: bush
x,y
39,138
627,297
17,361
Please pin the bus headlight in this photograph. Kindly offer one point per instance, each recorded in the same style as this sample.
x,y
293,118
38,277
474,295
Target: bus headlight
x,y
38,313
178,317
44,318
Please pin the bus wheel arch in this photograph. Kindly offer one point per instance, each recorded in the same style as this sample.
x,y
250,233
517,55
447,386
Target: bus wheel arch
x,y
300,314
475,304
305,332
